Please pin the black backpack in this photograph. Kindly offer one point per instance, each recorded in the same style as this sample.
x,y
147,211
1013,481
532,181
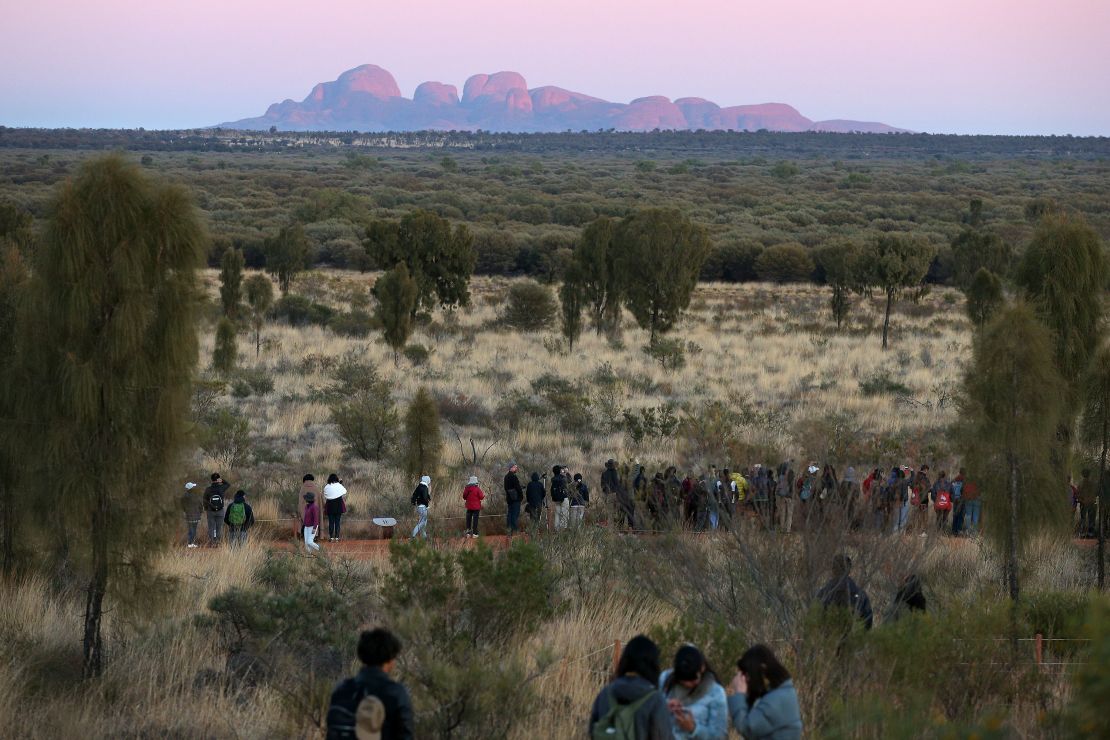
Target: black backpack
x,y
215,501
343,710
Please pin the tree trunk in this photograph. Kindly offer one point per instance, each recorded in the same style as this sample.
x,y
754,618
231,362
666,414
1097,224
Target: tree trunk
x,y
8,497
1012,544
98,586
886,316
257,343
1100,509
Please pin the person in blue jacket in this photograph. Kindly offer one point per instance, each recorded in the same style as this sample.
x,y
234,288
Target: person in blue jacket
x,y
695,700
762,702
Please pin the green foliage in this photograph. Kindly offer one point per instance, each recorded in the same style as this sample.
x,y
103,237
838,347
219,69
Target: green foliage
x,y
881,383
397,295
973,250
784,263
529,307
300,311
119,344
440,259
595,267
894,263
417,354
720,642
1063,274
226,354
840,263
423,443
657,423
260,296
224,434
362,409
733,263
353,323
1087,716
571,303
669,353
785,170
1013,398
286,255
661,252
231,282
13,281
984,297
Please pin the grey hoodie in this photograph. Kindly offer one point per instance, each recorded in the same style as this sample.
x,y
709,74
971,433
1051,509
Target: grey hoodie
x,y
774,716
653,721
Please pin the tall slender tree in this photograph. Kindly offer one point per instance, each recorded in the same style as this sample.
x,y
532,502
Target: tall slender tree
x,y
226,353
287,255
984,297
13,279
397,295
661,253
423,441
570,306
840,262
260,296
231,282
594,260
113,353
1012,388
895,263
1094,431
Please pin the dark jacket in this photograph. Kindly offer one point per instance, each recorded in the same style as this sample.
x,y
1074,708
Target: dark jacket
x,y
221,489
192,505
843,591
240,499
514,492
371,682
558,488
580,494
421,496
653,721
536,493
610,480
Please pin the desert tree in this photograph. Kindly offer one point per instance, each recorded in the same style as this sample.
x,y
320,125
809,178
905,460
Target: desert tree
x,y
894,263
362,409
984,297
529,307
397,295
571,300
231,282
114,354
423,440
1094,431
1011,388
660,251
13,280
839,261
594,260
974,249
286,255
260,296
439,259
225,356
1062,273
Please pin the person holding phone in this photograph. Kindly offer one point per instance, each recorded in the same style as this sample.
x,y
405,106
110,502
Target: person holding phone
x,y
695,700
762,702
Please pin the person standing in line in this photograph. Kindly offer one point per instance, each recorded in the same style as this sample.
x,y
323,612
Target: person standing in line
x,y
958,503
942,500
514,496
311,522
560,498
378,650
308,484
239,517
631,698
473,495
762,702
214,506
192,506
335,505
900,485
786,496
536,496
696,701
422,499
973,506
579,500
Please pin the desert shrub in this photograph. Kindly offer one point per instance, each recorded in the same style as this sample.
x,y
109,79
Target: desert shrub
x,y
362,409
669,353
225,436
785,170
417,354
734,263
784,263
462,410
882,383
300,311
650,422
530,307
497,253
355,323
240,388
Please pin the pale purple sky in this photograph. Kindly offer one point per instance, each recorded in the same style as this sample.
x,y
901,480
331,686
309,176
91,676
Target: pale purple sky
x,y
962,66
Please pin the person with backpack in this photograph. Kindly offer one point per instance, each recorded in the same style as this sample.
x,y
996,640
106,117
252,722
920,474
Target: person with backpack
x,y
958,503
214,507
579,500
192,506
355,697
310,522
842,591
473,495
762,701
630,707
239,517
536,499
421,498
335,505
910,598
695,699
560,499
942,500
514,497
785,496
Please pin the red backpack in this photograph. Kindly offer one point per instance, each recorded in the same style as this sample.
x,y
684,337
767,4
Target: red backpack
x,y
944,501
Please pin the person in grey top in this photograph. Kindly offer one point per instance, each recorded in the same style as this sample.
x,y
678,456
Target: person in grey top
x,y
762,702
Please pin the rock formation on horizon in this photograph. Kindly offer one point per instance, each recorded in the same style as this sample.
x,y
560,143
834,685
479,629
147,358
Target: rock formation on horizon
x,y
367,98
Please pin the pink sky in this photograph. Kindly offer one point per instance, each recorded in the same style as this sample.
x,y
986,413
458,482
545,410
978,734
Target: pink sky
x,y
963,66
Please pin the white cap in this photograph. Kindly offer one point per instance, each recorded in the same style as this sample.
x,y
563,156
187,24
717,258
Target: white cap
x,y
813,468
190,486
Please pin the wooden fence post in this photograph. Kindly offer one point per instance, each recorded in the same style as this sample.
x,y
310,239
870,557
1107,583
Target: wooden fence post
x,y
616,657
1038,648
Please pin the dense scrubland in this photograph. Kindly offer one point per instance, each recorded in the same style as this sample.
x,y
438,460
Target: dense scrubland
x,y
247,642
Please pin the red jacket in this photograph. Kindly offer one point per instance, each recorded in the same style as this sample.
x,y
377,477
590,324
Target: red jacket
x,y
311,515
473,496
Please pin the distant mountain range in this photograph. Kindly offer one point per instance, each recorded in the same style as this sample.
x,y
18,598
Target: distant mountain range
x,y
367,98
